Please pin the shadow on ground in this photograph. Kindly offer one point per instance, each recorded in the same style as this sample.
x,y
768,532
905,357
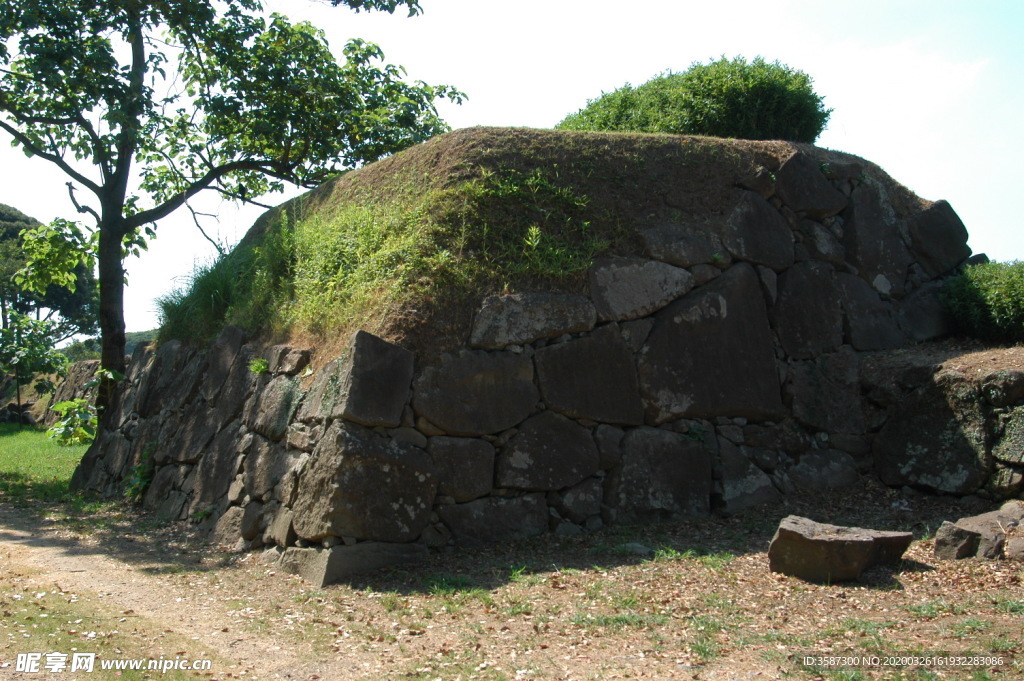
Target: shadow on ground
x,y
157,547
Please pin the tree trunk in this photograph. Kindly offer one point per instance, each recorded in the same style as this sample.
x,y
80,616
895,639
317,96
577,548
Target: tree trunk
x,y
112,328
21,414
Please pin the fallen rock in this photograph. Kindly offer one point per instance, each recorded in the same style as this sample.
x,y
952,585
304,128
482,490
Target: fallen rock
x,y
818,552
953,542
995,534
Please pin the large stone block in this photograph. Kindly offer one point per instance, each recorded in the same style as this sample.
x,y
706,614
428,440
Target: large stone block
x,y
681,245
872,239
925,444
818,552
662,475
494,519
220,357
581,501
593,377
1009,443
267,464
193,431
550,452
321,567
922,316
374,381
476,393
172,379
272,406
710,354
807,315
802,185
824,470
284,359
465,466
824,394
628,288
741,484
359,484
216,470
521,318
755,232
939,239
235,390
869,323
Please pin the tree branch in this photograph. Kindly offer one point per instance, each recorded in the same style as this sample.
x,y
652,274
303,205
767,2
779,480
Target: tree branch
x,y
79,207
195,219
57,160
178,200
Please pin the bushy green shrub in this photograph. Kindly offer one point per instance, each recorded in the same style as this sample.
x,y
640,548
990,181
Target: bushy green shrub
x,y
724,98
77,425
987,301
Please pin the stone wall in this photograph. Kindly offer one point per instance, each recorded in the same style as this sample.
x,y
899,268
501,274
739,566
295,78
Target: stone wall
x,y
716,370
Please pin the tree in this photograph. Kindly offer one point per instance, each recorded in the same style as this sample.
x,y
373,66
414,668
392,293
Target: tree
x,y
26,349
71,306
724,98
143,104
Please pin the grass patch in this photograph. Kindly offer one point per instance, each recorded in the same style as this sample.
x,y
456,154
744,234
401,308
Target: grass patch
x,y
935,608
1010,606
710,560
34,468
620,620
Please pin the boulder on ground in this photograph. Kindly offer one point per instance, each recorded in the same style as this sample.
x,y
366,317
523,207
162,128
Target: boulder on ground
x,y
818,552
995,534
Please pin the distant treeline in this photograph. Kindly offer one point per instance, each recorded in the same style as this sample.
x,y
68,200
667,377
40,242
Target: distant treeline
x,y
90,347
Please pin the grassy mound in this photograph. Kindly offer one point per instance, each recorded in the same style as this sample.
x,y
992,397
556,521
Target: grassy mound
x,y
408,247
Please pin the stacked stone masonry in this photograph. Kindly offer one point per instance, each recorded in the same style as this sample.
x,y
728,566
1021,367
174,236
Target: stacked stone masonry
x,y
719,370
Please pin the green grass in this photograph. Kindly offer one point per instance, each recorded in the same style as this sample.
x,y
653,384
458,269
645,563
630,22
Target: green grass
x,y
33,467
711,560
1010,606
934,608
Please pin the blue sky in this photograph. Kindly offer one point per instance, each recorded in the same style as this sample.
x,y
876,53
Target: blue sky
x,y
930,91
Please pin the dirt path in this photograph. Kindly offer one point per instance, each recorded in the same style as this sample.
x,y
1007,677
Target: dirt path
x,y
162,592
552,609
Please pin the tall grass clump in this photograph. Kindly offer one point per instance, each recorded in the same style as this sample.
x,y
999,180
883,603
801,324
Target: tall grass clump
x,y
356,263
245,287
986,301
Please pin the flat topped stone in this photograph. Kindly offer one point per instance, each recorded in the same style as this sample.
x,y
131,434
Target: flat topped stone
x,y
521,318
819,552
629,288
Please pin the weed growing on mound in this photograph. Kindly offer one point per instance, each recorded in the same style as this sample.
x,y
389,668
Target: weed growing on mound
x,y
359,262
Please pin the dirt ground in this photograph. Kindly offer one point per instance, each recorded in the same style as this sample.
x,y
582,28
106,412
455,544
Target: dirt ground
x,y
703,605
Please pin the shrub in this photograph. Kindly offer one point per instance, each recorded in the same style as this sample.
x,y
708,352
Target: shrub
x,y
77,424
987,301
724,98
